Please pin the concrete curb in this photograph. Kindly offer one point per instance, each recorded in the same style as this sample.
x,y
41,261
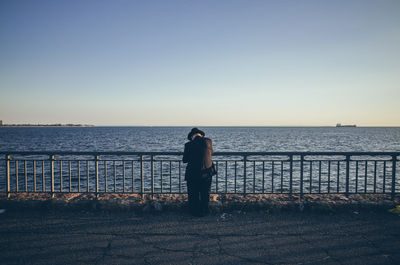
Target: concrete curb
x,y
178,202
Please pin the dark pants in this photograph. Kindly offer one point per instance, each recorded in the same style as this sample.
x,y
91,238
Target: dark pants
x,y
198,195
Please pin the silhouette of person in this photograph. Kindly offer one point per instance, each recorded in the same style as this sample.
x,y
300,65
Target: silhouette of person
x,y
197,155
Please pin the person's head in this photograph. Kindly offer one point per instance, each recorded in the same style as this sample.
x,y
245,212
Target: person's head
x,y
195,132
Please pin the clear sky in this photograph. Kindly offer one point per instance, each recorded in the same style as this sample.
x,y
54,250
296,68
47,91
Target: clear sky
x,y
262,63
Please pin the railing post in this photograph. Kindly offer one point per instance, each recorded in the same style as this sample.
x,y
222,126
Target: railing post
x,y
8,158
52,158
87,176
235,175
394,158
152,175
105,176
301,175
244,174
291,175
141,176
216,177
347,174
123,176
34,175
180,176
79,176
226,176
16,176
43,177
96,159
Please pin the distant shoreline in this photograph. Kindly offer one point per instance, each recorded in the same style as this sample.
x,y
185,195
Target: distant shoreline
x,y
46,125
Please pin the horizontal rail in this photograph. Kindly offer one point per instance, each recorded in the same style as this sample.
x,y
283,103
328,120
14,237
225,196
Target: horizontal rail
x,y
163,172
118,153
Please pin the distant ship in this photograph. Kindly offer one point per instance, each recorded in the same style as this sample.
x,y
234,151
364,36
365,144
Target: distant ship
x,y
345,125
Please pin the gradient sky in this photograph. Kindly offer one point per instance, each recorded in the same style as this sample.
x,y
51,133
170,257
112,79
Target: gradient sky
x,y
262,63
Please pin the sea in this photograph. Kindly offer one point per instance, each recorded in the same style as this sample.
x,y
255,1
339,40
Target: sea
x,y
241,139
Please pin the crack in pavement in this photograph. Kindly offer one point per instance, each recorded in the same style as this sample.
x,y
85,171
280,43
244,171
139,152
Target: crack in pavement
x,y
195,251
169,234
156,247
222,251
326,251
379,249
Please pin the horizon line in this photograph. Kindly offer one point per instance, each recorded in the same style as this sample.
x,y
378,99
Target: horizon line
x,y
105,125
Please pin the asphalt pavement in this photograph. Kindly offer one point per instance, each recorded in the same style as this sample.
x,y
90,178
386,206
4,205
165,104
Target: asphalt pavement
x,y
37,237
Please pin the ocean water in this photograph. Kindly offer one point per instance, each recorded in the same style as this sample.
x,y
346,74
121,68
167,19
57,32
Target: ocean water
x,y
224,138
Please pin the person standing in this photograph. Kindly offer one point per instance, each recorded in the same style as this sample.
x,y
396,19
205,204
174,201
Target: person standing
x,y
197,154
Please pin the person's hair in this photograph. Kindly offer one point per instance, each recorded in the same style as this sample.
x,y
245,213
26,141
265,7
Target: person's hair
x,y
195,131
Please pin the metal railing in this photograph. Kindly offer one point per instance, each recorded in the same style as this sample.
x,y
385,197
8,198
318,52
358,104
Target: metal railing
x,y
238,172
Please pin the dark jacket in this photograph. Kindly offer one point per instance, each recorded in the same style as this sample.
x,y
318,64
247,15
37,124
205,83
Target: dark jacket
x,y
197,154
